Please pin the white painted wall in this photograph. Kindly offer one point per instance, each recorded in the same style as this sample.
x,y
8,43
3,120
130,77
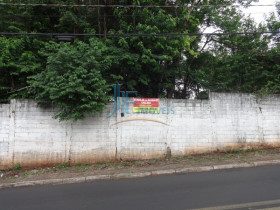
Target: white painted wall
x,y
4,134
29,135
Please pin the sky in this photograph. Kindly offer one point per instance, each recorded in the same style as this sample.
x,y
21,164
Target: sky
x,y
259,12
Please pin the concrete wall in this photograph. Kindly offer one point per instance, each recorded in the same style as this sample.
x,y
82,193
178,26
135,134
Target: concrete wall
x,y
29,135
4,134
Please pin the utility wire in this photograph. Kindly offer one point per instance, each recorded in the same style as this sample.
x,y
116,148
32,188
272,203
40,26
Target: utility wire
x,y
80,15
135,34
129,6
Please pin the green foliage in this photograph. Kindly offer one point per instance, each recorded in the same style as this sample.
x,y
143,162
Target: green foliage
x,y
63,166
73,80
75,77
240,63
151,64
17,62
17,167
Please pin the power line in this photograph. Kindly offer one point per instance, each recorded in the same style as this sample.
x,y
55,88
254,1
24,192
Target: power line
x,y
129,6
135,34
80,15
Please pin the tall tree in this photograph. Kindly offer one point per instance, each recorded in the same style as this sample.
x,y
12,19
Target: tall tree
x,y
129,50
17,62
72,79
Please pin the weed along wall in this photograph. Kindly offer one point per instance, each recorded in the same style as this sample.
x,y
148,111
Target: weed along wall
x,y
30,136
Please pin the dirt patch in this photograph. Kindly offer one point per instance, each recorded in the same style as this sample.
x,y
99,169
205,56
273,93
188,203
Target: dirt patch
x,y
108,168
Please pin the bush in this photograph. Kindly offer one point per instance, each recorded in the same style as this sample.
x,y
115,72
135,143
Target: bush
x,y
72,80
17,167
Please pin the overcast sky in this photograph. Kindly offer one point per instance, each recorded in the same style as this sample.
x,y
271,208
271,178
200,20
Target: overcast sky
x,y
258,13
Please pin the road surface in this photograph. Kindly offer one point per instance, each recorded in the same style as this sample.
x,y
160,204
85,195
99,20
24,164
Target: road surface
x,y
246,188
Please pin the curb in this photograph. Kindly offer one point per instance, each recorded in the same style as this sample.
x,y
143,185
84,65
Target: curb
x,y
138,175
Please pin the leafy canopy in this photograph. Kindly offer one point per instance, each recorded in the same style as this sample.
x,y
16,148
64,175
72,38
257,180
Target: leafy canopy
x,y
72,79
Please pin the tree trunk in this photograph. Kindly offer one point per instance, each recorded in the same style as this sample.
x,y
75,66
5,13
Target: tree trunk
x,y
98,19
12,82
104,20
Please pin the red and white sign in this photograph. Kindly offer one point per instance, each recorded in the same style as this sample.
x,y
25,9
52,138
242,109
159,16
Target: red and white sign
x,y
150,105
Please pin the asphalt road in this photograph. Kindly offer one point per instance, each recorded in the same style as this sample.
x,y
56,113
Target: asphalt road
x,y
225,189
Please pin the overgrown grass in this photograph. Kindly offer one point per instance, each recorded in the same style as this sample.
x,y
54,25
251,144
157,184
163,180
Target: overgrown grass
x,y
17,167
131,165
63,166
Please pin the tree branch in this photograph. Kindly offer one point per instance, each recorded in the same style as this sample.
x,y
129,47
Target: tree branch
x,y
19,89
189,14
